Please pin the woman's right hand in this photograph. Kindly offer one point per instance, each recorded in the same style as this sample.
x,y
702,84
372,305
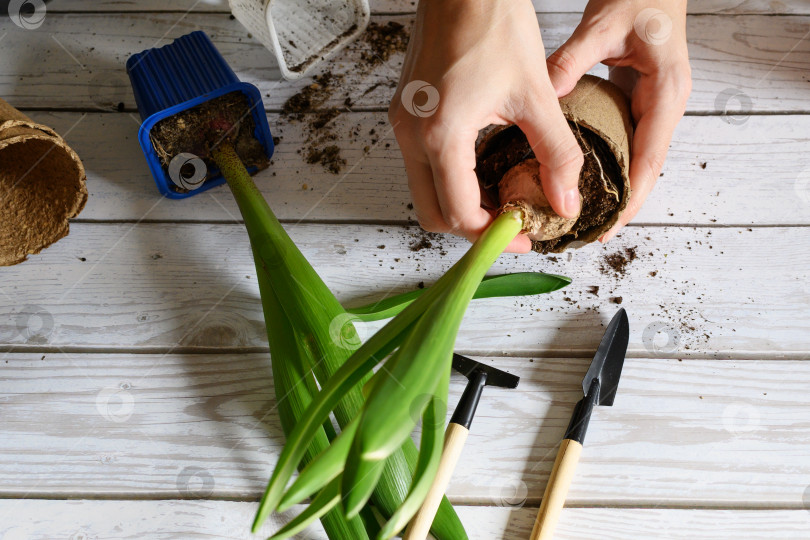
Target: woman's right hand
x,y
470,64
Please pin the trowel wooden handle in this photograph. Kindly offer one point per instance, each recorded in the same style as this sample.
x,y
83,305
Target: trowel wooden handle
x,y
556,490
454,439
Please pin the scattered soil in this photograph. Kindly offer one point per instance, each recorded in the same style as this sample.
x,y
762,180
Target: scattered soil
x,y
616,299
197,130
327,156
324,117
616,263
385,41
594,290
510,147
307,106
378,44
423,240
311,97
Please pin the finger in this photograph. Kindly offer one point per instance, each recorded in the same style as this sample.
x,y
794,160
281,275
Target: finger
x,y
521,244
423,193
583,50
625,77
556,149
452,158
650,145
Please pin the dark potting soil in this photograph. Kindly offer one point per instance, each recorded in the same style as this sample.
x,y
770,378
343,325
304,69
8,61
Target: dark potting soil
x,y
616,263
328,156
378,44
307,106
510,147
311,97
199,129
323,117
385,41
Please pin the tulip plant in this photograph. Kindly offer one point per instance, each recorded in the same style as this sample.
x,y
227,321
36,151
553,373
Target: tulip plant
x,y
368,479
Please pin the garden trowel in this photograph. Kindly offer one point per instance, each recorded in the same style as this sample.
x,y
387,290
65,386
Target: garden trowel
x,y
479,375
599,386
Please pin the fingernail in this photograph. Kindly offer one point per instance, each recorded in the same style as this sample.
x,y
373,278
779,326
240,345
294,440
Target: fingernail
x,y
571,202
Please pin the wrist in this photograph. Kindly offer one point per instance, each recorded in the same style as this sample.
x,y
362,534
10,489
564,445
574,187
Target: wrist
x,y
457,7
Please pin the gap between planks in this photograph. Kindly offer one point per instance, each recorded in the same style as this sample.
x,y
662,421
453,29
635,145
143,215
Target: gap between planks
x,y
728,356
210,519
530,503
129,286
384,109
678,434
761,53
408,223
754,176
395,7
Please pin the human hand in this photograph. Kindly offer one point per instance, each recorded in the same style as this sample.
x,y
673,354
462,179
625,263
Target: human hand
x,y
645,43
478,63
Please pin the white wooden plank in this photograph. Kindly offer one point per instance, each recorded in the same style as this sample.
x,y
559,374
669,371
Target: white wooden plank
x,y
764,66
686,433
406,6
755,173
181,6
721,292
725,7
158,520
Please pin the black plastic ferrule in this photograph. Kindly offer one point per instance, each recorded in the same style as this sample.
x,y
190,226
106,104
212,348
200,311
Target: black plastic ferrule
x,y
465,410
582,414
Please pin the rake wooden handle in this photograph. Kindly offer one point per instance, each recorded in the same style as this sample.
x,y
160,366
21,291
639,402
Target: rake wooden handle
x,y
454,439
556,490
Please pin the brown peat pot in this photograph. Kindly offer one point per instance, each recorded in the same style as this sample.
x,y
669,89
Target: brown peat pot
x,y
42,186
598,113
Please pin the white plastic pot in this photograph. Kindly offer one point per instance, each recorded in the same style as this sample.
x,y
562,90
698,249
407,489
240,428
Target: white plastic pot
x,y
302,33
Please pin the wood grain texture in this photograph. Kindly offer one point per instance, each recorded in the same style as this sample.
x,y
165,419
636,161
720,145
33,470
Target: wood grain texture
x,y
102,396
709,433
203,520
455,437
405,6
755,174
556,493
741,64
718,292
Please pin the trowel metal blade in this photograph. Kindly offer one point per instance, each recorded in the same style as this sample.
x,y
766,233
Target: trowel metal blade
x,y
609,359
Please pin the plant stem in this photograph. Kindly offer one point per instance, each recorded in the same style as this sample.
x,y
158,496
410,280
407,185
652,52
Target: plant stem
x,y
417,367
312,310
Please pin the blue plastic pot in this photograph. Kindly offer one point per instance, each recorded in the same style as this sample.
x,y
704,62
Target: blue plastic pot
x,y
178,76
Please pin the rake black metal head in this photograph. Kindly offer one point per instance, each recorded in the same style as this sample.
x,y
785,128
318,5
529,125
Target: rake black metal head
x,y
494,377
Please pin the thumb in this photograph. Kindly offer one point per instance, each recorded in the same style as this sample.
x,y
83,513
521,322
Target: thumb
x,y
557,150
572,60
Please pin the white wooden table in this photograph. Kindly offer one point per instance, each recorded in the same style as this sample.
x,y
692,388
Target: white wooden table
x,y
135,390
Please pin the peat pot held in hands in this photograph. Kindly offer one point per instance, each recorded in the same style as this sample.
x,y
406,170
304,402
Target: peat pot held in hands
x,y
598,113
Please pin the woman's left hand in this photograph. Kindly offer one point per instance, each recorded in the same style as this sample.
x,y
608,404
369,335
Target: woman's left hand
x,y
644,42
